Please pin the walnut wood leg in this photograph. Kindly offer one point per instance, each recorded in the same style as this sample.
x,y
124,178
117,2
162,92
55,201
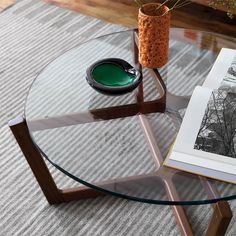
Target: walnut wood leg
x,y
220,219
222,213
218,225
179,213
40,170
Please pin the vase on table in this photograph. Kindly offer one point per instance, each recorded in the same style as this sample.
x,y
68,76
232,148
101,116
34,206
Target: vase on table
x,y
154,27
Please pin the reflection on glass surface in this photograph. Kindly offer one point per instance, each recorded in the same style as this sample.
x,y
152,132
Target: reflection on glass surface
x,y
104,140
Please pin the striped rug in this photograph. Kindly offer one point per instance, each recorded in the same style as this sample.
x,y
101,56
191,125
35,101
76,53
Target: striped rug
x,y
32,33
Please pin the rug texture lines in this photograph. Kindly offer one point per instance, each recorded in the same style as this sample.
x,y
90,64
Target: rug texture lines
x,y
32,34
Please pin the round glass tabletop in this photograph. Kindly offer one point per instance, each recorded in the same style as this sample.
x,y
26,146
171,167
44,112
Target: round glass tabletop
x,y
117,144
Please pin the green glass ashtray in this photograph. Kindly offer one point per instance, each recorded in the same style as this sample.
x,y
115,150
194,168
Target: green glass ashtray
x,y
113,76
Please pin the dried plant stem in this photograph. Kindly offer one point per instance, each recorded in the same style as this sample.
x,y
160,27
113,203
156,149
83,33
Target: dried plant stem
x,y
139,3
182,4
162,4
176,3
230,5
170,9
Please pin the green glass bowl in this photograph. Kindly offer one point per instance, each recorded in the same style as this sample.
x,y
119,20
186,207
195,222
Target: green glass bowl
x,y
113,76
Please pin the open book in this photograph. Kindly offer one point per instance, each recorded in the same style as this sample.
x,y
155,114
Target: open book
x,y
206,142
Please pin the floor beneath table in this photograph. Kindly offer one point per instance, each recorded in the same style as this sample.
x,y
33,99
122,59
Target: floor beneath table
x,y
124,12
5,4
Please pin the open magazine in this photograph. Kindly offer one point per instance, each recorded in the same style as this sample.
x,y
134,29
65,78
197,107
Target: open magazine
x,y
206,142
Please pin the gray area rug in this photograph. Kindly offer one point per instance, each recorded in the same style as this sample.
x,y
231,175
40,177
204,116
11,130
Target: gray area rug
x,y
32,33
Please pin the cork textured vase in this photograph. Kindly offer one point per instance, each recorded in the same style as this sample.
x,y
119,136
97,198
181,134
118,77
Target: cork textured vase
x,y
154,27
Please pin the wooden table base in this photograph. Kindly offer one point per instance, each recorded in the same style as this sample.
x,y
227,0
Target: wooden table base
x,y
218,225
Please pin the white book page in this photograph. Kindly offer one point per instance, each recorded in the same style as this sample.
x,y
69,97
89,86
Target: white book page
x,y
192,120
191,124
188,132
220,68
192,168
204,162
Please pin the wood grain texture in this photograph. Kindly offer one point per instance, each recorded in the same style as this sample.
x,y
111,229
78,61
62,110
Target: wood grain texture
x,y
4,4
221,218
40,170
20,131
124,12
219,222
171,191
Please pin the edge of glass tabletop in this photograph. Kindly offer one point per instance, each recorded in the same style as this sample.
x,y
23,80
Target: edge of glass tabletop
x,y
106,191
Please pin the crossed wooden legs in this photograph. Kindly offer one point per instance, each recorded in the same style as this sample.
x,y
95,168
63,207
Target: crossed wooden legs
x,y
218,224
40,170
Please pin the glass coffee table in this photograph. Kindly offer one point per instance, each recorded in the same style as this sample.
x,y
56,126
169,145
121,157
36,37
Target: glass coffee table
x,y
116,144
